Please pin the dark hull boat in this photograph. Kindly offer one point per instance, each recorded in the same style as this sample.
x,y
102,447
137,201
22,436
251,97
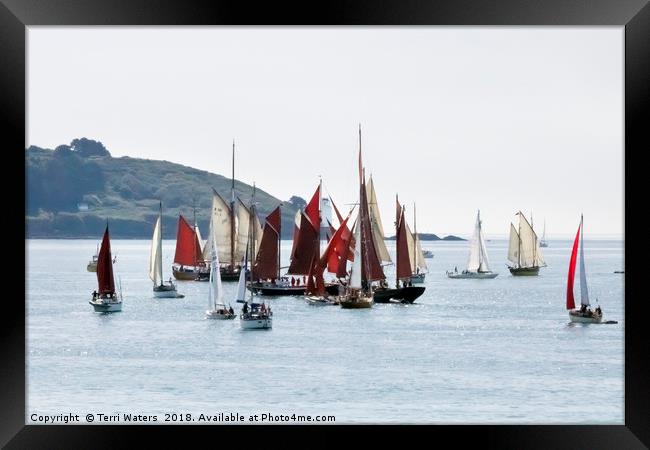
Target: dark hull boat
x,y
397,295
524,271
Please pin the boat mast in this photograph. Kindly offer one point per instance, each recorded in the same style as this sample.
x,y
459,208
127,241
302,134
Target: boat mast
x,y
415,233
160,246
279,241
397,218
232,210
251,225
480,243
534,241
519,243
195,238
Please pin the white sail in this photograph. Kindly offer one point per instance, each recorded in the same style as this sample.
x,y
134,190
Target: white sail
x,y
539,256
355,270
485,262
410,243
584,293
243,221
215,291
474,261
219,230
155,259
198,235
375,223
513,246
529,244
419,256
240,296
257,229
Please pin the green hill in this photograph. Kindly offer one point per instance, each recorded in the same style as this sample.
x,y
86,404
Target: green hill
x,y
62,183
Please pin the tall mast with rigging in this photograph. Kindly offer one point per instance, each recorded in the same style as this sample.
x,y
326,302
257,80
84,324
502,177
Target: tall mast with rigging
x,y
232,210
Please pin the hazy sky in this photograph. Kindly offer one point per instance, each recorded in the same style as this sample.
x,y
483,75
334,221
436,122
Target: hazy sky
x,y
453,118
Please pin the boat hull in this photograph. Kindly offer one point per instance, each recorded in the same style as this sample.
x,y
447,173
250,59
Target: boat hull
x,y
418,278
472,275
185,275
321,301
524,271
256,323
219,315
228,274
166,291
579,317
401,295
106,306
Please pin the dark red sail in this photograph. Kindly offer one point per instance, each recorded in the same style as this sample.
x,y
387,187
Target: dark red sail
x,y
306,247
337,249
188,249
372,269
267,264
403,263
312,210
105,280
570,302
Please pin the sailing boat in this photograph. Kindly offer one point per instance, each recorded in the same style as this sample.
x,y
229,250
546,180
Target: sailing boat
x,y
217,309
258,316
584,314
188,260
266,267
420,268
366,263
160,289
543,242
335,255
478,265
92,264
105,299
406,260
523,250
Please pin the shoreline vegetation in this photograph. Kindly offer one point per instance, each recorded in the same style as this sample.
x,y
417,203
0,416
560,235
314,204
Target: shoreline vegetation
x,y
73,189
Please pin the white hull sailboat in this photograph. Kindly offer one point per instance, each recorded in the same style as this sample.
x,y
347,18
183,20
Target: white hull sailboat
x,y
160,289
105,298
542,242
584,314
419,265
258,316
217,309
524,251
478,265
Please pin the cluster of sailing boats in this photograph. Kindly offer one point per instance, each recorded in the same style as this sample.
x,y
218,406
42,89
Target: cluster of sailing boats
x,y
238,248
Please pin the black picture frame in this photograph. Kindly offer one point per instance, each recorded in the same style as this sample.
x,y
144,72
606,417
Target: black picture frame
x,y
634,15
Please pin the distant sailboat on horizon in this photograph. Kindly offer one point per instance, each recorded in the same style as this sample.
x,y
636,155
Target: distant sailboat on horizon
x,y
478,265
542,242
523,250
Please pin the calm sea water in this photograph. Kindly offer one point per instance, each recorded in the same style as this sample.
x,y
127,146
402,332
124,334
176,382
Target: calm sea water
x,y
469,351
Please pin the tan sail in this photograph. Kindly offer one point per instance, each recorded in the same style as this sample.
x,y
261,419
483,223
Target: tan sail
x,y
219,230
375,223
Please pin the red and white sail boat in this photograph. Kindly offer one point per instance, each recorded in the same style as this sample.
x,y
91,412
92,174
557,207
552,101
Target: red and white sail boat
x,y
584,314
188,260
105,299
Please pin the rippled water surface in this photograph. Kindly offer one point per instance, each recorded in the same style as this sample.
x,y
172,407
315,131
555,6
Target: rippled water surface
x,y
469,351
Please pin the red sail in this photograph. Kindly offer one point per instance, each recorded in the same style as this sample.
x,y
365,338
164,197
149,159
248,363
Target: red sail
x,y
336,210
311,287
188,249
312,209
306,247
372,269
403,263
570,303
336,250
347,244
266,263
105,280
